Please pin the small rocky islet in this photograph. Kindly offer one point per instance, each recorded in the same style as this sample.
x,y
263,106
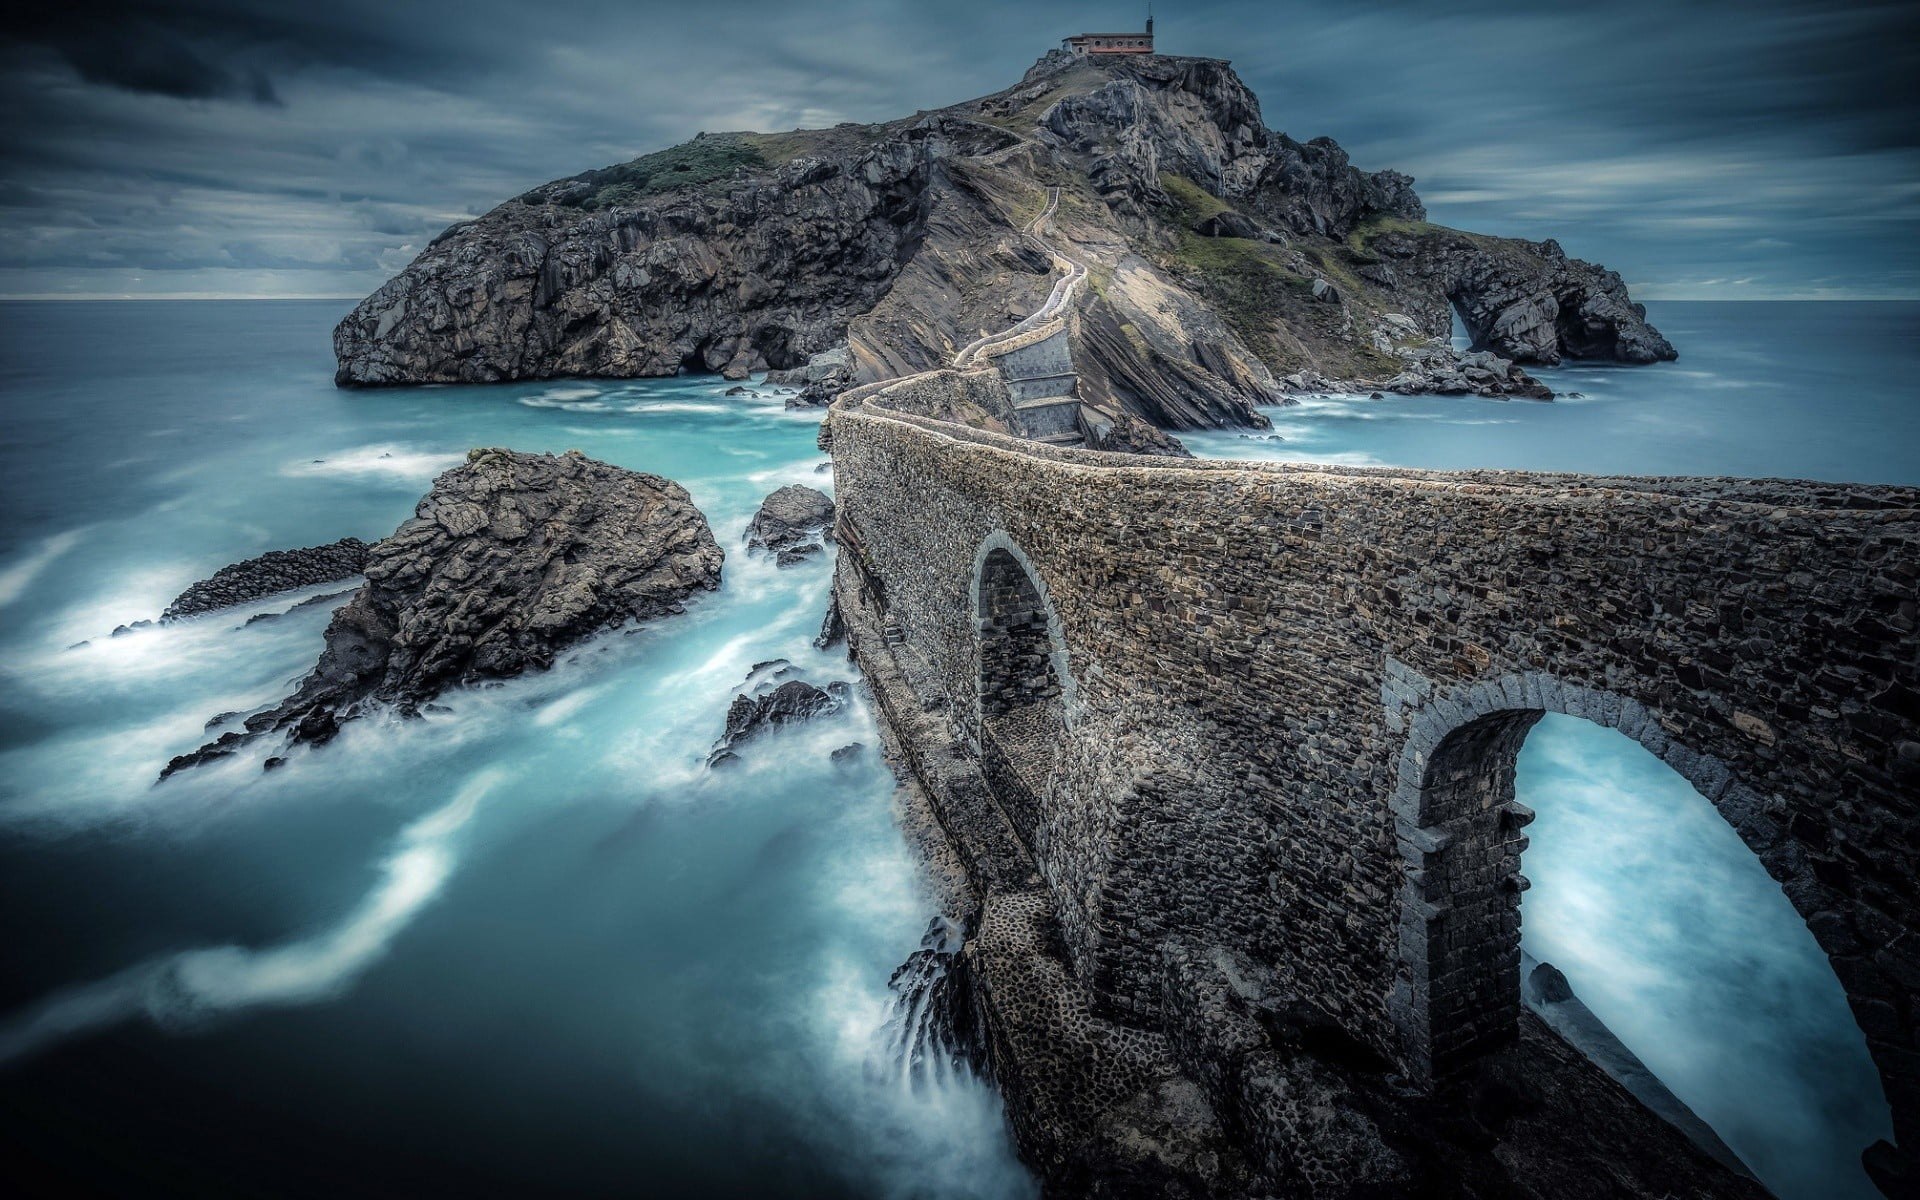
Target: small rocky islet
x,y
507,561
791,525
773,695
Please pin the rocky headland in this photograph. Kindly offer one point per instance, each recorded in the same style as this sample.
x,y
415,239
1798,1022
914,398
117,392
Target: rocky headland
x,y
510,559
1228,265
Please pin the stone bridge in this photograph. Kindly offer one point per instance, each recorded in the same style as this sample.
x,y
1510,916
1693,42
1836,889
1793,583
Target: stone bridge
x,y
1188,720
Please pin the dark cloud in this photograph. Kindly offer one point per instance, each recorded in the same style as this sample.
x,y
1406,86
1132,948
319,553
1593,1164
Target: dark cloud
x,y
140,56
1768,147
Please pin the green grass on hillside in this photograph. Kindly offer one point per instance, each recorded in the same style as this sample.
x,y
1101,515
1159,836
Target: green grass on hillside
x,y
1243,278
709,161
849,139
704,160
1191,202
1360,241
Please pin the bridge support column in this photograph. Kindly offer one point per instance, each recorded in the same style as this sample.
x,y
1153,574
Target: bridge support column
x,y
1460,923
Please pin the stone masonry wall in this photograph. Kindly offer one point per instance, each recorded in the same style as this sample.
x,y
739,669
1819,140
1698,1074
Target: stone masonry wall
x,y
1291,697
1050,355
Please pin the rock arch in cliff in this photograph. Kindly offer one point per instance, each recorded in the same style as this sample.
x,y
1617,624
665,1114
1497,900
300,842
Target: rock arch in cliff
x,y
1024,685
1460,830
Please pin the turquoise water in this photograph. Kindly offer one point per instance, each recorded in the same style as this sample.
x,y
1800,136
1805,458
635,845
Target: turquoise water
x,y
1791,390
1664,923
529,946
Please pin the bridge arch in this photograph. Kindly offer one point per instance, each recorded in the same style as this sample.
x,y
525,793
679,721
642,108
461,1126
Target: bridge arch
x,y
1459,831
1025,696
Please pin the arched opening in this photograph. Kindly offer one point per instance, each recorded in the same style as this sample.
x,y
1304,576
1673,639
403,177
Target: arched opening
x,y
1678,965
1021,693
1670,932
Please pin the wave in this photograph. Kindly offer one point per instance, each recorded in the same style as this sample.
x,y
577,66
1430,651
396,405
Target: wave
x,y
806,472
577,392
17,576
672,406
387,459
567,707
191,990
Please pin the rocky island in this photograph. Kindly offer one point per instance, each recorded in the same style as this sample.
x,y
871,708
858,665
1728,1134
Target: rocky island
x,y
1227,265
510,559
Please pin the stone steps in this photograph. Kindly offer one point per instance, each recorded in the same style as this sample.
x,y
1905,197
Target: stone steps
x,y
1046,402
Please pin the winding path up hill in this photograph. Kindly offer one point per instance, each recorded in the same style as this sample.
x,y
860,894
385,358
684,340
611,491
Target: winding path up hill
x,y
1225,263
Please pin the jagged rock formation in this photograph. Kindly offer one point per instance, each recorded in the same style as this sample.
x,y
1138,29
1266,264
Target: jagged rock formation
x,y
932,1030
1527,301
790,523
824,376
274,572
510,559
1222,258
771,699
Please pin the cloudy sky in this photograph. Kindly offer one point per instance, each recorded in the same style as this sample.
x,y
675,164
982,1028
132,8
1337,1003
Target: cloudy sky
x,y
1704,148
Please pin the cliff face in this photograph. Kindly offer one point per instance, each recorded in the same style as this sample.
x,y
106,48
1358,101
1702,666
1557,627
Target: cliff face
x,y
1194,118
552,283
1229,264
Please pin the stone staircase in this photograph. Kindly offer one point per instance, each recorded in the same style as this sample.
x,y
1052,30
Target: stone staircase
x,y
1035,357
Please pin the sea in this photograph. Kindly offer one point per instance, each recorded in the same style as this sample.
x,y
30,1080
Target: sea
x,y
530,945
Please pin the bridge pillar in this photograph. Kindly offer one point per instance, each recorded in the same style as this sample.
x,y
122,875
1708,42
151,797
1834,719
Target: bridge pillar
x,y
1460,923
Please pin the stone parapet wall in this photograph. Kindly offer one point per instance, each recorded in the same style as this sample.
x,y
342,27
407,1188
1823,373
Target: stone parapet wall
x,y
1271,666
1775,493
1050,420
1043,387
1043,350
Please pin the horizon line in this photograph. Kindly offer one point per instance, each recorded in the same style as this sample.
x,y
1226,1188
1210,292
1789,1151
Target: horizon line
x,y
97,297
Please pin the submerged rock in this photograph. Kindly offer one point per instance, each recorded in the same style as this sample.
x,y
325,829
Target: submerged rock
x,y
934,1027
327,600
506,562
790,523
771,705
1440,370
1431,368
274,572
